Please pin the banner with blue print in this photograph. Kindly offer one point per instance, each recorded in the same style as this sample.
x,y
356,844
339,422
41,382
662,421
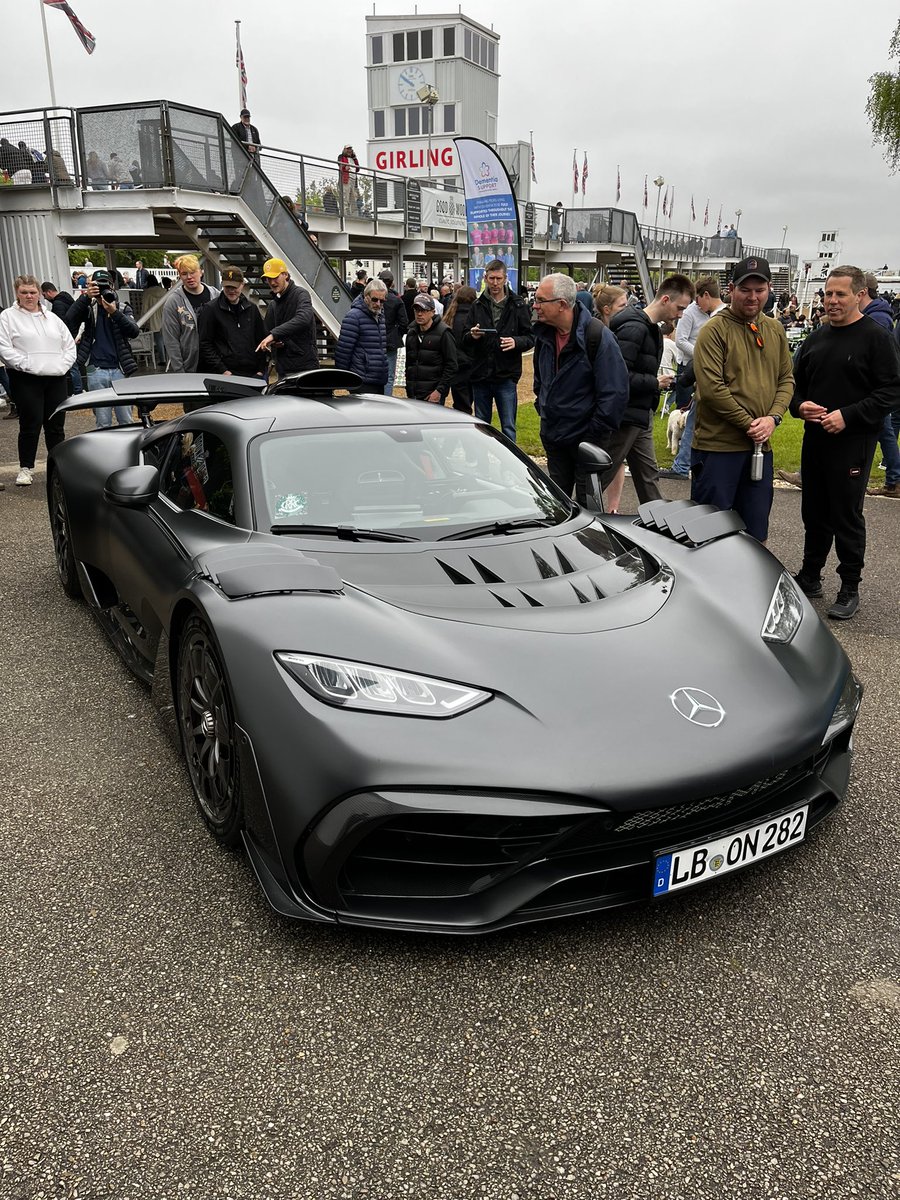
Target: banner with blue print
x,y
492,216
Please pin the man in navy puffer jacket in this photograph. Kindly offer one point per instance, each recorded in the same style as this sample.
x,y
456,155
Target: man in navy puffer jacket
x,y
580,380
362,345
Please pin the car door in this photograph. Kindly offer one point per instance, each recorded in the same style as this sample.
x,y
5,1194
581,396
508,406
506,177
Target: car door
x,y
193,512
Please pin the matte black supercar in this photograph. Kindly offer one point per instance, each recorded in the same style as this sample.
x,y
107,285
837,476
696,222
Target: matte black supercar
x,y
425,689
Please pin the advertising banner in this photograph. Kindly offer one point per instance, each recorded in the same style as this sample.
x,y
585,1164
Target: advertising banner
x,y
492,215
443,210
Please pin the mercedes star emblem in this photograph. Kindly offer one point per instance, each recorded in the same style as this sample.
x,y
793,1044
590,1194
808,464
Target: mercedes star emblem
x,y
698,707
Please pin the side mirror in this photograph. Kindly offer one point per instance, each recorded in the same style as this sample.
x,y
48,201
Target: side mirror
x,y
593,461
133,487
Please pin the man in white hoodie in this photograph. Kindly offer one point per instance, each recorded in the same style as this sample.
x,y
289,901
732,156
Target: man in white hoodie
x,y
38,351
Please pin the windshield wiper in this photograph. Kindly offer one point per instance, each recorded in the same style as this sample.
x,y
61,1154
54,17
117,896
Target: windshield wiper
x,y
498,527
346,533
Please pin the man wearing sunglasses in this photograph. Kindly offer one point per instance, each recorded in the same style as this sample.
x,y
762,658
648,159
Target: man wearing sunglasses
x,y
744,385
362,345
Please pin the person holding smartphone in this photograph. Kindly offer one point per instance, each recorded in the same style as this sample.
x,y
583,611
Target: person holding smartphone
x,y
498,334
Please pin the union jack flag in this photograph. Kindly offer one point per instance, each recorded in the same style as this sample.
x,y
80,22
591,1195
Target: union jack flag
x,y
672,202
584,175
693,214
706,214
645,191
575,170
85,36
534,178
666,203
618,185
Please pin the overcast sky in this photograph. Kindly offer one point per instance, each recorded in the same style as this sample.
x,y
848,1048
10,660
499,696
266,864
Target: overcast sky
x,y
759,107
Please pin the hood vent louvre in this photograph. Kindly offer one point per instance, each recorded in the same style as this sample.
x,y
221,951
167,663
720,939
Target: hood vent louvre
x,y
454,575
486,573
546,571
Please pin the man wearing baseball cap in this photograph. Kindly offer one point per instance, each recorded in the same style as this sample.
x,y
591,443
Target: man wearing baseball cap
x,y
247,134
104,349
431,358
290,323
231,329
744,385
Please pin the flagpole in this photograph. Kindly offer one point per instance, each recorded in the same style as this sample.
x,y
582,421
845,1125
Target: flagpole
x,y
47,52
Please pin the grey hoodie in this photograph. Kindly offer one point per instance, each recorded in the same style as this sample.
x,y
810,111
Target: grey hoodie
x,y
179,330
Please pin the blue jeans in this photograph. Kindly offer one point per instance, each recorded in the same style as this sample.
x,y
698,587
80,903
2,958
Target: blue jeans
x,y
503,391
392,371
75,377
889,449
682,463
102,377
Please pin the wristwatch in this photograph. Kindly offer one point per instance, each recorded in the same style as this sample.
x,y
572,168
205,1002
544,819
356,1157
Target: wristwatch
x,y
777,421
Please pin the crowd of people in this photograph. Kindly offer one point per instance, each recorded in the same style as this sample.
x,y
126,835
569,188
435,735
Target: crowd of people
x,y
602,361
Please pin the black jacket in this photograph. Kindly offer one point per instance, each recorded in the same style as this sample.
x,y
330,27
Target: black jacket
x,y
489,362
124,327
641,343
240,131
463,374
430,360
407,296
290,320
396,322
61,303
229,335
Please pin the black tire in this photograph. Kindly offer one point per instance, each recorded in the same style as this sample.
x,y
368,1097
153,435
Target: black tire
x,y
208,732
62,540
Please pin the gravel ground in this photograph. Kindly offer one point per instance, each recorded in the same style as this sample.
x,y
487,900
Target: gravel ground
x,y
165,1035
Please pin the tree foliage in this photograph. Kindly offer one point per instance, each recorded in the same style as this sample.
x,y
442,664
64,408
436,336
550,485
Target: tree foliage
x,y
883,107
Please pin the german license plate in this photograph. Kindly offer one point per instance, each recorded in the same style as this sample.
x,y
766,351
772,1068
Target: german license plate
x,y
687,865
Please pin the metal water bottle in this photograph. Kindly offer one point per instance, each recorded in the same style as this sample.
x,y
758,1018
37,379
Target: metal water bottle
x,y
756,463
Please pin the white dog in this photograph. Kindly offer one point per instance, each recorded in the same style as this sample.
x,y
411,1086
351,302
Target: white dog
x,y
675,429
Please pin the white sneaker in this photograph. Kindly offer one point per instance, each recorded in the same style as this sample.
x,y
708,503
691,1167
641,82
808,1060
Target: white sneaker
x,y
25,477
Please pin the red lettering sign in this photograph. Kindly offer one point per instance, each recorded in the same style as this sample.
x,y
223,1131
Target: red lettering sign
x,y
447,156
381,160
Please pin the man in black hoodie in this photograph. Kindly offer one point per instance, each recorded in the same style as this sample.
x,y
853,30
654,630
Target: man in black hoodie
x,y
498,334
290,323
640,340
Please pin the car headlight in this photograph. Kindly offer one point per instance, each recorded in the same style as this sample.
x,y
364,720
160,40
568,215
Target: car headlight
x,y
846,708
785,611
378,689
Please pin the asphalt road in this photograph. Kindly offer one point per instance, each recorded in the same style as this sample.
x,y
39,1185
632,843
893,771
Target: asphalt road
x,y
164,1035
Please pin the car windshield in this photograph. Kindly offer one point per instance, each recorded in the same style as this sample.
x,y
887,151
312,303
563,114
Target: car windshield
x,y
429,481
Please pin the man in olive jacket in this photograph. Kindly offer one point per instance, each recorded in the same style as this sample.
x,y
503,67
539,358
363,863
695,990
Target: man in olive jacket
x,y
498,334
744,384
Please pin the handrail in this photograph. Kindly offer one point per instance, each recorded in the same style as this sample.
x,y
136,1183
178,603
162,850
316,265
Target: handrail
x,y
312,183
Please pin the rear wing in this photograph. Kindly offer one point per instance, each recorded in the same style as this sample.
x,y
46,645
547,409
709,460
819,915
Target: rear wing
x,y
148,391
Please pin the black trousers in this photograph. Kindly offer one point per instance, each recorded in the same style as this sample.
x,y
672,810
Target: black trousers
x,y
36,396
835,470
563,469
462,397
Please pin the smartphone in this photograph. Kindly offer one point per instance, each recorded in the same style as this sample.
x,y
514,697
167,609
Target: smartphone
x,y
483,330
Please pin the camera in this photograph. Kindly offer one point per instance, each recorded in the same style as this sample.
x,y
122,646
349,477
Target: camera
x,y
108,295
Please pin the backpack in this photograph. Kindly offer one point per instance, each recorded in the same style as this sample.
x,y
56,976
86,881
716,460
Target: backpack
x,y
593,337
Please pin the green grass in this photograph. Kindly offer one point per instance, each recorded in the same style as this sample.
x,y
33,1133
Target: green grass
x,y
785,443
